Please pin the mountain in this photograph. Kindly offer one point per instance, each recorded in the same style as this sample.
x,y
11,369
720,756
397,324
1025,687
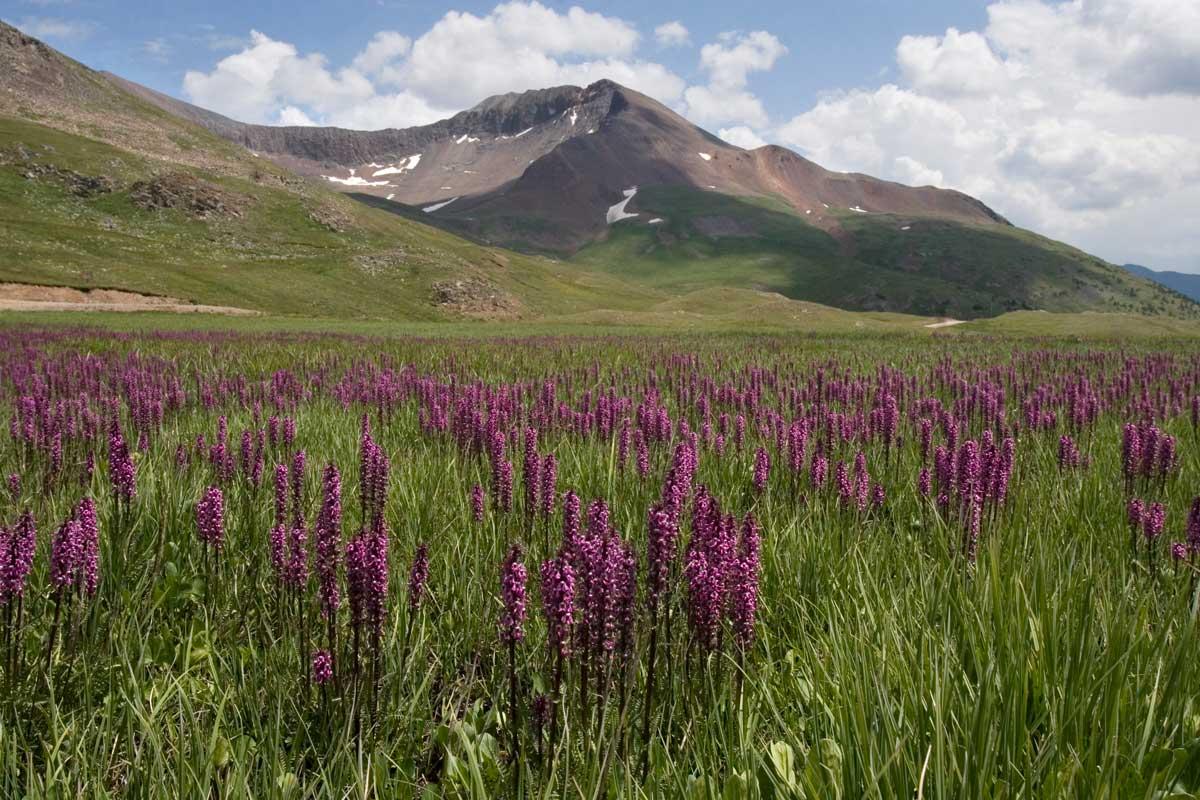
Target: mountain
x,y
613,181
1186,283
565,155
602,199
102,190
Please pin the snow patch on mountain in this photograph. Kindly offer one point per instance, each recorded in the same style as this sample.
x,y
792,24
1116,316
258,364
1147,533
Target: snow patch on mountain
x,y
400,167
354,180
617,212
436,206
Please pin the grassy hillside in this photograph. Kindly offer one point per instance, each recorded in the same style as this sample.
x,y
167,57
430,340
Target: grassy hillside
x,y
280,245
916,265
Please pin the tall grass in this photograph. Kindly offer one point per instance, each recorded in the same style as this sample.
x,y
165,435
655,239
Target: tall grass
x,y
885,665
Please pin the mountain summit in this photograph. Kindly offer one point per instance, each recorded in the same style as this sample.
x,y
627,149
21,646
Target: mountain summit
x,y
606,200
566,156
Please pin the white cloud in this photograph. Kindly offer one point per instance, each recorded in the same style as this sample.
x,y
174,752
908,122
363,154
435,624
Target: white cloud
x,y
672,34
396,81
56,28
1078,119
728,63
741,136
290,115
731,59
464,58
271,82
914,173
954,63
716,105
381,53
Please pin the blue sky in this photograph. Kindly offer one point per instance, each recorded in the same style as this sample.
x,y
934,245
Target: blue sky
x,y
830,46
1077,118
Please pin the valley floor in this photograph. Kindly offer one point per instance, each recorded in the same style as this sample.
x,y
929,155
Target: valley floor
x,y
267,557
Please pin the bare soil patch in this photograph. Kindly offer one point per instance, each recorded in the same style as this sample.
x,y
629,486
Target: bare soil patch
x,y
30,297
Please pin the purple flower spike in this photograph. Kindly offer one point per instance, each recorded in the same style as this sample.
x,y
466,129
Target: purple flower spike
x,y
744,592
558,604
660,554
477,504
89,544
1154,521
512,593
322,667
762,469
328,543
210,517
64,555
418,576
17,546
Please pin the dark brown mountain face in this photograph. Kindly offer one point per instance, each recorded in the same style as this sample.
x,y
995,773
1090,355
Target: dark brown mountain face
x,y
543,168
643,203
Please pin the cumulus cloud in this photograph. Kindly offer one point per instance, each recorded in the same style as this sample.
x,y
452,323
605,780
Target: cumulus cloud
x,y
672,34
1077,119
464,58
256,84
742,136
396,81
381,53
728,63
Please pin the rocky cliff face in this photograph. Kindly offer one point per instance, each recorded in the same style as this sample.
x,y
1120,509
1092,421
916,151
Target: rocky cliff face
x,y
551,162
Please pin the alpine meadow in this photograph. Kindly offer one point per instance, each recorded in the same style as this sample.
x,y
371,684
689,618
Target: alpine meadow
x,y
501,401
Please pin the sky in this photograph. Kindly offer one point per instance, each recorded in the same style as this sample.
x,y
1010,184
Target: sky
x,y
1079,119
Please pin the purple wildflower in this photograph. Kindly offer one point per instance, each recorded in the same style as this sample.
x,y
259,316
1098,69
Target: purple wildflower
x,y
743,607
549,490
89,544
477,504
660,551
328,544
210,517
17,547
558,603
418,576
512,593
122,475
1154,521
64,555
506,486
322,667
367,578
762,469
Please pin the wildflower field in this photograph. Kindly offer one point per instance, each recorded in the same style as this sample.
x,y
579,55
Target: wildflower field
x,y
255,565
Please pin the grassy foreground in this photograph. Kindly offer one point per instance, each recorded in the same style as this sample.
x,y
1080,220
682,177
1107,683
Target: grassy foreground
x,y
893,651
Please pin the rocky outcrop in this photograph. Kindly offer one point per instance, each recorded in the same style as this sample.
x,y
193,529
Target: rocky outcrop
x,y
183,192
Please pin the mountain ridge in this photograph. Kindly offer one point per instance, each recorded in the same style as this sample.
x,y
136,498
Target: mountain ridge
x,y
1186,283
107,183
505,138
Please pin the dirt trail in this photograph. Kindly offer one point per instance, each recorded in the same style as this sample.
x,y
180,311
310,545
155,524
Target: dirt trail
x,y
29,297
945,323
